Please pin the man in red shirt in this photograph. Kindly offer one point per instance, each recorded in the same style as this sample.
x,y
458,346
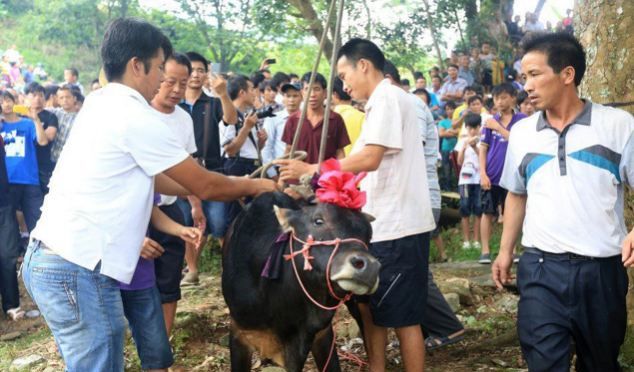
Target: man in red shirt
x,y
310,135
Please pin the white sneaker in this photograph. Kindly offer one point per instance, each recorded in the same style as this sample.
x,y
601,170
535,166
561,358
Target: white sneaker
x,y
15,313
466,245
476,245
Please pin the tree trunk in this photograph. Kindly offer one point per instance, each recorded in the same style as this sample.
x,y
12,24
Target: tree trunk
x,y
539,7
316,27
604,28
432,30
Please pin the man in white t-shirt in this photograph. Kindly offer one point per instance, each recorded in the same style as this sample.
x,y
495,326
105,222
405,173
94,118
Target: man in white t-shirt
x,y
389,148
168,265
96,214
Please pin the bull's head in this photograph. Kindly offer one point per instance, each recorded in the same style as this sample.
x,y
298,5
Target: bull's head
x,y
353,268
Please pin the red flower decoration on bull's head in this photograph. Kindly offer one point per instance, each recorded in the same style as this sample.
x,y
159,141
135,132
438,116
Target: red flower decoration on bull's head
x,y
340,188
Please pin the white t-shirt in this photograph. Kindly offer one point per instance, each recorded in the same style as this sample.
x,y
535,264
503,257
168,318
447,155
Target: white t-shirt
x,y
102,189
470,170
397,192
228,133
182,126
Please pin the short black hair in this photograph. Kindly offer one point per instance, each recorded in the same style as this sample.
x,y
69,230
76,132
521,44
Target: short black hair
x,y
34,88
73,71
475,98
293,75
257,78
356,49
319,79
454,66
451,104
489,103
127,38
421,76
390,69
280,78
504,88
521,97
437,77
477,88
561,50
50,90
418,75
404,81
472,120
197,57
181,59
266,84
337,88
236,84
7,95
78,96
424,92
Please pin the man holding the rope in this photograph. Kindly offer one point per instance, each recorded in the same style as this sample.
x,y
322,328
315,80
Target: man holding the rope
x,y
388,147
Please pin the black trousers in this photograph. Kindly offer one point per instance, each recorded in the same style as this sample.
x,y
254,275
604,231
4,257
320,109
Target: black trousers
x,y
9,252
566,298
439,320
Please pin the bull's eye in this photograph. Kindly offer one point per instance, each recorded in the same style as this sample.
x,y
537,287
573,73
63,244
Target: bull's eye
x,y
319,221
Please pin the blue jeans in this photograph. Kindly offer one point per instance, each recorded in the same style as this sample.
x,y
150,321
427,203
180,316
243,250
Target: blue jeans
x,y
214,213
143,310
82,308
28,199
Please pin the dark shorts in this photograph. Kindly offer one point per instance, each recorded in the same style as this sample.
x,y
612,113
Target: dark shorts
x,y
470,202
401,298
169,265
142,309
491,199
566,298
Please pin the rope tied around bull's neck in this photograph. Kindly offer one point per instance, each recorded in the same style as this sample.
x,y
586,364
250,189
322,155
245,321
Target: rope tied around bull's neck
x,y
307,245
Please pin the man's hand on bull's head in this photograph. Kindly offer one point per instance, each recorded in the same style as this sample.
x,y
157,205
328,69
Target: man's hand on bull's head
x,y
353,268
262,185
294,169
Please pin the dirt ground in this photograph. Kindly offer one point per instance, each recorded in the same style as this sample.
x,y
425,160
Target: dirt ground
x,y
201,336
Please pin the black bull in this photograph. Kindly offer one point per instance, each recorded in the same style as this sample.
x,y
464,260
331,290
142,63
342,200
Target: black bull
x,y
274,315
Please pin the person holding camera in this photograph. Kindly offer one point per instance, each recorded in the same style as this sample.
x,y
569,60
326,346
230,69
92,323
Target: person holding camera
x,y
310,135
241,143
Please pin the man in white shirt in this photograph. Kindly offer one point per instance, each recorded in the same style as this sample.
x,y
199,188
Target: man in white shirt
x,y
96,215
274,126
389,148
241,143
168,265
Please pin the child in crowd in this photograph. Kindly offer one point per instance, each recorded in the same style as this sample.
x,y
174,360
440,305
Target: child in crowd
x,y
469,180
524,104
475,105
493,145
448,137
9,247
141,298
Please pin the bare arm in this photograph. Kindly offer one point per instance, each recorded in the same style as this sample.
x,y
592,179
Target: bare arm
x,y
514,212
163,223
40,135
485,182
460,158
208,185
229,112
50,133
340,154
167,186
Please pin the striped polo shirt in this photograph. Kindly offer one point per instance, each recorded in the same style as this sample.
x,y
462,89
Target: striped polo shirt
x,y
573,180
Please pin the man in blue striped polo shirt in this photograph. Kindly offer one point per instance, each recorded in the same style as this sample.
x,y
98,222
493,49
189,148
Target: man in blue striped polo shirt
x,y
565,170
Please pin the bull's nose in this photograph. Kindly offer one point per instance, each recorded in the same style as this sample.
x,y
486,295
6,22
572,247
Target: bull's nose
x,y
359,262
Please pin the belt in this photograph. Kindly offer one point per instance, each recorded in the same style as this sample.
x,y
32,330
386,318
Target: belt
x,y
564,256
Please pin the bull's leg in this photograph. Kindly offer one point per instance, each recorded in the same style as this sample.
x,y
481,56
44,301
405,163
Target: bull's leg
x,y
322,348
240,354
295,352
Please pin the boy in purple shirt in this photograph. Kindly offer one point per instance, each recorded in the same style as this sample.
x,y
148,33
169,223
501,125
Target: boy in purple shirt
x,y
141,298
493,144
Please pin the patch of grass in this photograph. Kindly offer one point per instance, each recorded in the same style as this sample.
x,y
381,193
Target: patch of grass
x,y
626,358
452,239
10,350
211,258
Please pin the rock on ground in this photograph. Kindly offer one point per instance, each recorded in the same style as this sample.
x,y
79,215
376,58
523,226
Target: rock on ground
x,y
453,300
27,361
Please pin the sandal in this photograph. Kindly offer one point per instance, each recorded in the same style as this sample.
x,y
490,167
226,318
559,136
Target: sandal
x,y
15,314
433,342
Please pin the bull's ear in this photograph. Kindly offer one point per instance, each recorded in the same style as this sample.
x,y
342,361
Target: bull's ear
x,y
283,217
368,217
283,200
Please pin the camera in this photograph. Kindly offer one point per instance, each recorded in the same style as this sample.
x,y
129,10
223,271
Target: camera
x,y
266,112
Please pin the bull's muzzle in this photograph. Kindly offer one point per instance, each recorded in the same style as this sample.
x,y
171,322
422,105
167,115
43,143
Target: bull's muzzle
x,y
356,272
